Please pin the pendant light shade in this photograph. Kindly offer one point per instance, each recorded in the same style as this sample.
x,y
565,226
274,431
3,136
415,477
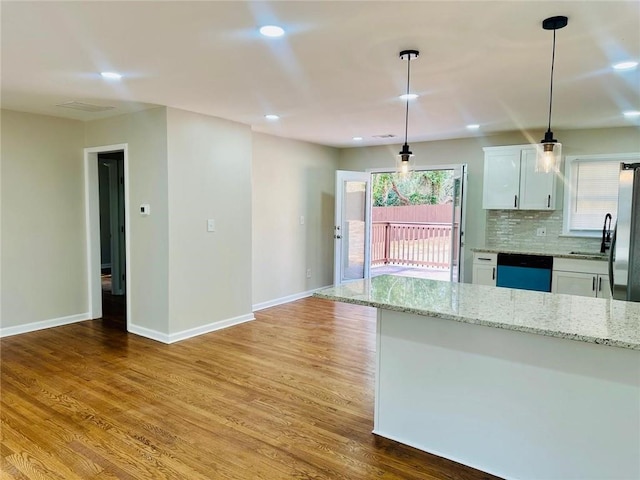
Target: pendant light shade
x,y
405,154
549,150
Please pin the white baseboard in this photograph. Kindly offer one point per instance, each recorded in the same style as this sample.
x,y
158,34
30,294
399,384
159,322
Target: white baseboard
x,y
34,326
287,299
193,332
148,333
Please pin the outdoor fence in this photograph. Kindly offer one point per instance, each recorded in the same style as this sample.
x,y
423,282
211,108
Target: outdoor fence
x,y
426,244
413,213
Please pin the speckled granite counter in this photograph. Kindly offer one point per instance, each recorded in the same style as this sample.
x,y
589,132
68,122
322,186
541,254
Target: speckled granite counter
x,y
519,400
594,320
578,256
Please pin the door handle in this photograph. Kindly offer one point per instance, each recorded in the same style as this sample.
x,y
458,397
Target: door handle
x,y
612,250
515,201
493,275
548,201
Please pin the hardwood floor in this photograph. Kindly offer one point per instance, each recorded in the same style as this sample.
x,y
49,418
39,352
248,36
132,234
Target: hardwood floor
x,y
287,396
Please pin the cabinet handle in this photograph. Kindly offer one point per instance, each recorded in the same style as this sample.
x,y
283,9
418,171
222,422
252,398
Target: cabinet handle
x,y
548,201
493,275
593,284
599,284
484,258
515,201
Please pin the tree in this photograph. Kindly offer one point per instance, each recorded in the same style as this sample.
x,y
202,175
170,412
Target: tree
x,y
426,187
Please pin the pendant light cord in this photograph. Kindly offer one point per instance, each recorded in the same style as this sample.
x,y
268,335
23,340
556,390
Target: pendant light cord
x,y
406,116
553,60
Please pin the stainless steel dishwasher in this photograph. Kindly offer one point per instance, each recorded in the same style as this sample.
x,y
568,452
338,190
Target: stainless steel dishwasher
x,y
527,272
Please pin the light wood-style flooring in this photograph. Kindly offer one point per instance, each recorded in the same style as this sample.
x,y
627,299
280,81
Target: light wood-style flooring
x,y
287,396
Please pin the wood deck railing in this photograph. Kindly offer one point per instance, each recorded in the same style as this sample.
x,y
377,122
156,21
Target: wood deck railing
x,y
418,244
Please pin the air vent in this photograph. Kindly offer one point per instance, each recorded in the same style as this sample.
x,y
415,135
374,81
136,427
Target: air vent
x,y
85,107
385,135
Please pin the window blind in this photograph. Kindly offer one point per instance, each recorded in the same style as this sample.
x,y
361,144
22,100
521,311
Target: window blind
x,y
595,193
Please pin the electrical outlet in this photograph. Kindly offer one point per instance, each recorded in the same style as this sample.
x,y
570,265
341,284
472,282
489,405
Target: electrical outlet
x,y
541,232
308,273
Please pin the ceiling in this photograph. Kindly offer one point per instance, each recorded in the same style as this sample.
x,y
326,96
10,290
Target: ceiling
x,y
336,73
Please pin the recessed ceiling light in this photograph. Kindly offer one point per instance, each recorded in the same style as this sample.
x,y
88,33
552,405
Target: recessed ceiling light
x,y
272,31
631,113
111,75
408,96
628,65
271,116
357,139
473,126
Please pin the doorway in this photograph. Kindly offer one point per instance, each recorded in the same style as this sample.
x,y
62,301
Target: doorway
x,y
112,238
107,233
417,230
417,223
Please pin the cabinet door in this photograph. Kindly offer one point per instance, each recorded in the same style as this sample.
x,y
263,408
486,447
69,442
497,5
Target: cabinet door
x,y
604,290
573,283
537,189
484,275
501,179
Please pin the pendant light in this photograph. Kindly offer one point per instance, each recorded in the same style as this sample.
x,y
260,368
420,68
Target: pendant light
x,y
549,149
405,154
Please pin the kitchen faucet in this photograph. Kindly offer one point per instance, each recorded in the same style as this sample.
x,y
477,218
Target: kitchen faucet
x,y
606,234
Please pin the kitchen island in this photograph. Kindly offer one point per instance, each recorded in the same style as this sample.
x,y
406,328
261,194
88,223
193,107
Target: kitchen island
x,y
516,383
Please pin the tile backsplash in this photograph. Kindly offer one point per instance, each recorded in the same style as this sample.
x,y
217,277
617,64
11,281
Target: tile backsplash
x,y
517,229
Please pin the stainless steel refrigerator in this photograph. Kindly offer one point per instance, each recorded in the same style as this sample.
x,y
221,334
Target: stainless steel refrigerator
x,y
624,258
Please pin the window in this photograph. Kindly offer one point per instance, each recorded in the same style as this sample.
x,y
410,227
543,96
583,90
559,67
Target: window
x,y
591,191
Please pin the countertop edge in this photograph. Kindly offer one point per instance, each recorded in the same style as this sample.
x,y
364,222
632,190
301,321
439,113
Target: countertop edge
x,y
576,256
475,321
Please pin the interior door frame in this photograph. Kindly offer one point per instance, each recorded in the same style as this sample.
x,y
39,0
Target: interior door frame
x,y
92,225
463,167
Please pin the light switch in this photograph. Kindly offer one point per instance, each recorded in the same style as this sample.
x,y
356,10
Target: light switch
x,y
145,209
211,225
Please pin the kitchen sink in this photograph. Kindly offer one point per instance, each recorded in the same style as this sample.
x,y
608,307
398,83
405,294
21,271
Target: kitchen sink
x,y
595,254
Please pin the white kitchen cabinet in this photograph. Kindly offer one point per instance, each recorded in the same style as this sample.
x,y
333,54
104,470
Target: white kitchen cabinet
x,y
587,278
484,268
511,182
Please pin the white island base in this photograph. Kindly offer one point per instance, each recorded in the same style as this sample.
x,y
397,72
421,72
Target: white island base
x,y
514,404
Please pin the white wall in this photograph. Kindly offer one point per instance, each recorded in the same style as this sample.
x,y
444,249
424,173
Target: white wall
x,y
209,175
43,250
146,135
291,179
469,151
189,168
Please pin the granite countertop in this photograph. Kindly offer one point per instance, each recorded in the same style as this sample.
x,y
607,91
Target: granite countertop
x,y
593,320
578,256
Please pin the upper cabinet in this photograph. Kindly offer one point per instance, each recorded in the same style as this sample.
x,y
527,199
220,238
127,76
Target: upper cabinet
x,y
511,182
